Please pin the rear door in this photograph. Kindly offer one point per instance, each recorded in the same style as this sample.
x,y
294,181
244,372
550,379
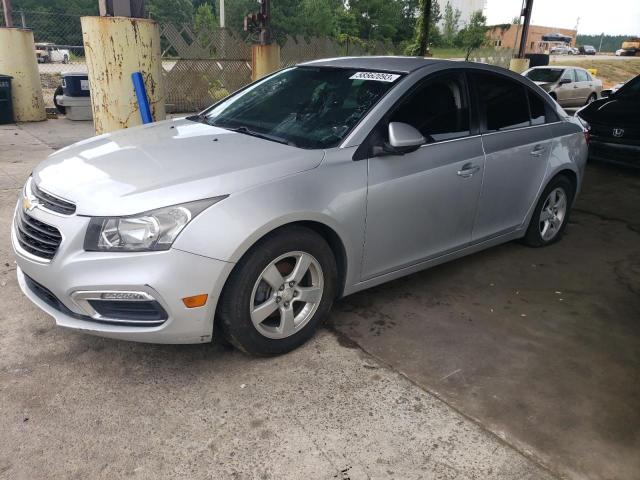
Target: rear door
x,y
585,86
517,139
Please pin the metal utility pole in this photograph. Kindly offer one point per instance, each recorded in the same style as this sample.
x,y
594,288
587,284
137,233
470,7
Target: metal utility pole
x,y
8,13
265,54
526,13
221,13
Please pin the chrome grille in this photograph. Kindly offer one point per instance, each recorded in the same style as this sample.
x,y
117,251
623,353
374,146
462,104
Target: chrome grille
x,y
36,237
51,202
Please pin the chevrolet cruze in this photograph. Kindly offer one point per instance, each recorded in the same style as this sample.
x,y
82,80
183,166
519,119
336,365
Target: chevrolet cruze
x,y
308,185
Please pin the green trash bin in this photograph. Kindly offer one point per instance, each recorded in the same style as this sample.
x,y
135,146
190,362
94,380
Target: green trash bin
x,y
6,106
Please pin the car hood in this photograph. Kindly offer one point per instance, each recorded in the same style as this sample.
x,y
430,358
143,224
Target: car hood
x,y
165,163
618,112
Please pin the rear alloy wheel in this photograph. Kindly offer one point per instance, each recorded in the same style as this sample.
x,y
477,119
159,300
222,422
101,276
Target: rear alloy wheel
x,y
592,98
551,214
279,292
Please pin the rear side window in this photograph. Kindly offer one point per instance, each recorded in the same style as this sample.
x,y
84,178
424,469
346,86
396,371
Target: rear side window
x,y
503,102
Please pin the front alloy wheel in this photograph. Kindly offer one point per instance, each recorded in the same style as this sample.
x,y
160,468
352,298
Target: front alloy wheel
x,y
279,292
286,295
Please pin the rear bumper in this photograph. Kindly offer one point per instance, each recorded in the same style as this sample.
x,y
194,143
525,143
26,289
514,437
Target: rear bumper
x,y
615,153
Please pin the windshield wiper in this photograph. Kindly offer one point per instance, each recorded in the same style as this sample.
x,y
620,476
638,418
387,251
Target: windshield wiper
x,y
247,131
200,118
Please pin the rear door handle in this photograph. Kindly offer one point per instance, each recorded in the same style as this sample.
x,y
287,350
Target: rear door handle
x,y
537,151
467,170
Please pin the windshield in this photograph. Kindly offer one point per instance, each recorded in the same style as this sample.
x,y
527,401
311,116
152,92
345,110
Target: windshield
x,y
548,75
307,107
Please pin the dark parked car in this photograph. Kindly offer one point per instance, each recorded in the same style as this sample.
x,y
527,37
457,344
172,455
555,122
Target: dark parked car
x,y
614,125
587,50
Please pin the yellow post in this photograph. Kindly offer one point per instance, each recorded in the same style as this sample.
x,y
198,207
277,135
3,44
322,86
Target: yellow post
x,y
18,59
116,47
518,65
265,59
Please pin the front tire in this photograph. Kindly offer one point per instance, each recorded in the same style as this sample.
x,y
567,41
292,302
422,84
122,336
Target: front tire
x,y
551,214
279,292
592,98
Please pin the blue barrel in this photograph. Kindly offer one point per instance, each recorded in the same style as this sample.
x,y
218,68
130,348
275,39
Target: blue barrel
x,y
75,84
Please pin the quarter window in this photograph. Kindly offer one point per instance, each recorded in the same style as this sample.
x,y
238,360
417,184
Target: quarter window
x,y
502,101
439,109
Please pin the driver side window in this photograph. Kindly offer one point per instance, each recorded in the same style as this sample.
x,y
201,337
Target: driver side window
x,y
439,108
568,73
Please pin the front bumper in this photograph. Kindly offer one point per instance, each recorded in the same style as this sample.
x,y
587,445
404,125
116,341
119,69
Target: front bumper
x,y
166,276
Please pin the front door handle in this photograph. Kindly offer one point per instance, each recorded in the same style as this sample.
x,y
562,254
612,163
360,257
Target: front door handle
x,y
467,170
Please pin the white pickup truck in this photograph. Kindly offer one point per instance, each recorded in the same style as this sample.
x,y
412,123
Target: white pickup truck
x,y
50,53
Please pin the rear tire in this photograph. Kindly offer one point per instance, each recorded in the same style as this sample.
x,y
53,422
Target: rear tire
x,y
551,214
279,292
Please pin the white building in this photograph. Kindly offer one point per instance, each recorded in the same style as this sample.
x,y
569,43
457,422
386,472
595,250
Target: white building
x,y
466,7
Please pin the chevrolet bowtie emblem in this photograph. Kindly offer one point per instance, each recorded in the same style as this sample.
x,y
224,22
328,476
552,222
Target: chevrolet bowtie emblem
x,y
29,204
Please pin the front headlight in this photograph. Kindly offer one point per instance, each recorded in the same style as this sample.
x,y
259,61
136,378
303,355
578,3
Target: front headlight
x,y
149,231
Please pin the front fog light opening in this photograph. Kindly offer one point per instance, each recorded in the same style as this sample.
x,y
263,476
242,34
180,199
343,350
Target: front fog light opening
x,y
121,307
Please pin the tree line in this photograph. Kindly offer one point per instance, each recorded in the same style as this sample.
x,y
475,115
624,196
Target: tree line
x,y
398,21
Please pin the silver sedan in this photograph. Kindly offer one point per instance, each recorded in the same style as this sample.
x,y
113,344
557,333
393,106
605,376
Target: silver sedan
x,y
311,184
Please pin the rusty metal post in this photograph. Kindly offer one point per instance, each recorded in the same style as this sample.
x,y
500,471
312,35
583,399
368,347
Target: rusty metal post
x,y
116,47
265,55
17,59
265,59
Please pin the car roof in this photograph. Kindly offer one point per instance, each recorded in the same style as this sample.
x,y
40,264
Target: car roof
x,y
381,63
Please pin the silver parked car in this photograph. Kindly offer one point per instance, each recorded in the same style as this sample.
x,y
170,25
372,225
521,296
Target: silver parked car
x,y
569,86
311,184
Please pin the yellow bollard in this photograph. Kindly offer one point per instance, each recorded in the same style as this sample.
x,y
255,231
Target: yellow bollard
x,y
18,59
265,59
593,71
116,47
519,65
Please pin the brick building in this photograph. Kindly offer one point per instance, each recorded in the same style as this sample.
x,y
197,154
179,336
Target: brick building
x,y
508,36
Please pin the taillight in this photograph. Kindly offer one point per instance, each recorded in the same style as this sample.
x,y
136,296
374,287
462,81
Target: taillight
x,y
587,134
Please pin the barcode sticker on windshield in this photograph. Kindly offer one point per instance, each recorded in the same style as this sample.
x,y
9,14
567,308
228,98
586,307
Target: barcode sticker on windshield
x,y
376,76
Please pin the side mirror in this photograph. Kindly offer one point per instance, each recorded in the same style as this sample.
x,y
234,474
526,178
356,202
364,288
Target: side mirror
x,y
605,93
403,138
564,81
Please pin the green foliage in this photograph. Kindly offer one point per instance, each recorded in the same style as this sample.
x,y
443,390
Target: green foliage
x,y
204,20
426,29
173,11
451,25
610,43
473,35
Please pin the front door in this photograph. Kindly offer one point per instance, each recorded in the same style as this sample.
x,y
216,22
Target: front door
x,y
565,92
423,204
517,140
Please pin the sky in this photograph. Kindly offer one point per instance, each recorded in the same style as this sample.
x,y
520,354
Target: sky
x,y
613,17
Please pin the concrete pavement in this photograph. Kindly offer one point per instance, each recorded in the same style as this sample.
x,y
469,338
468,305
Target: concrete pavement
x,y
75,406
